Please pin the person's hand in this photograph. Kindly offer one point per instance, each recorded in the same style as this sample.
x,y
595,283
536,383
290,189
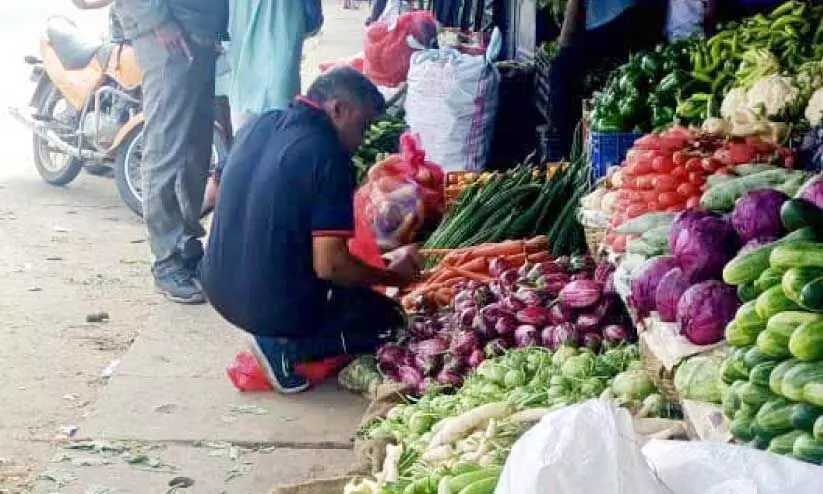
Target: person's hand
x,y
405,262
171,37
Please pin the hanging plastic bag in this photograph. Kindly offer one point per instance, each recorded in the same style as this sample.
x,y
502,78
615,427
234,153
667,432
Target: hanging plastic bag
x,y
390,45
402,193
452,103
246,374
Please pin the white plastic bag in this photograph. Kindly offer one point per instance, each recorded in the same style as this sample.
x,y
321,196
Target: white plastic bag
x,y
586,448
452,103
704,467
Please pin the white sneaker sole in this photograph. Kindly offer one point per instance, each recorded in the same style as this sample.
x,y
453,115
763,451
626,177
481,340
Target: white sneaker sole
x,y
264,363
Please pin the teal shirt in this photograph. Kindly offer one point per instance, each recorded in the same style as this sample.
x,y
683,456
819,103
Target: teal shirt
x,y
600,12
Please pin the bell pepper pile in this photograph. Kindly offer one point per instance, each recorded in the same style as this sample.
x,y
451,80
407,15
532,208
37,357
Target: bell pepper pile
x,y
642,94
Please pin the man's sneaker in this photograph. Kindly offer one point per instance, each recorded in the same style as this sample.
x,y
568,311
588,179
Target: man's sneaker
x,y
191,255
178,285
275,356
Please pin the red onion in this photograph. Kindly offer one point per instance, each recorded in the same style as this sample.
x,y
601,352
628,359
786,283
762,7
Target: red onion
x,y
525,336
614,333
505,325
513,303
581,293
565,334
532,297
476,358
547,337
409,375
587,321
464,343
559,313
508,279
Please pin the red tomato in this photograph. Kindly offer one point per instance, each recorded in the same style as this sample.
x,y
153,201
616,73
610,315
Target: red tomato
x,y
688,189
680,173
669,199
697,178
693,165
636,210
693,202
663,164
664,183
645,182
680,158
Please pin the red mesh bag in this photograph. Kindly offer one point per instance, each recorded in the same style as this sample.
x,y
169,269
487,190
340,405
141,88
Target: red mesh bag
x,y
387,49
402,193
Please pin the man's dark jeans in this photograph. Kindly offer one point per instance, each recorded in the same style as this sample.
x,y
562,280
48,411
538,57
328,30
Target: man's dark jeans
x,y
354,321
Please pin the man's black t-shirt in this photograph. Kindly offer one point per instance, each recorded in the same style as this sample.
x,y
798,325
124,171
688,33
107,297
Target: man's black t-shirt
x,y
286,180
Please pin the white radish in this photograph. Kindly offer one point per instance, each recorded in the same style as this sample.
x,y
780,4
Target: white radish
x,y
390,472
460,425
439,454
528,416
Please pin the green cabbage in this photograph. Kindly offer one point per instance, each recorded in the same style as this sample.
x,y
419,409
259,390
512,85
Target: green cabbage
x,y
698,379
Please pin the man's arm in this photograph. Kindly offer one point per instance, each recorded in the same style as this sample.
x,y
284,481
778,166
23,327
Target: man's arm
x,y
91,4
333,262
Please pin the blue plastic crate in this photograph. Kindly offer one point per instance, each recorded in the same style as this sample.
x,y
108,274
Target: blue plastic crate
x,y
609,148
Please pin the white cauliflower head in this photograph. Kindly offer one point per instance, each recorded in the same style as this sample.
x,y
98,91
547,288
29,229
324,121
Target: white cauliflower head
x,y
772,95
733,102
814,110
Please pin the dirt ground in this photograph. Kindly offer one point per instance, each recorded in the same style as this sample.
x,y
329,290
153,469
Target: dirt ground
x,y
74,297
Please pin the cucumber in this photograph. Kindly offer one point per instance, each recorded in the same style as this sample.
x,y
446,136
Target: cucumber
x,y
644,223
741,426
722,197
813,392
796,279
817,428
738,337
784,444
482,486
753,357
799,213
811,296
773,301
807,448
779,415
457,484
750,266
748,291
730,401
773,345
759,442
768,278
759,375
749,322
754,395
794,254
733,368
778,374
806,342
798,376
786,323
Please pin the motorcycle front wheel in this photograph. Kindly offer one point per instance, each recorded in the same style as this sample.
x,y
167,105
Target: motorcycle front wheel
x,y
127,166
55,167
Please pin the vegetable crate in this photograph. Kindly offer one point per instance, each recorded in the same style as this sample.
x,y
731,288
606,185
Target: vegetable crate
x,y
662,377
609,148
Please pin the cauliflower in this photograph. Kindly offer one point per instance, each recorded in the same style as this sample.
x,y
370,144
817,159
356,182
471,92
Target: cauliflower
x,y
814,110
733,102
773,95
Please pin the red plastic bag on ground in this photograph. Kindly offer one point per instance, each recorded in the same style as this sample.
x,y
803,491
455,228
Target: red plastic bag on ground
x,y
387,51
246,374
403,192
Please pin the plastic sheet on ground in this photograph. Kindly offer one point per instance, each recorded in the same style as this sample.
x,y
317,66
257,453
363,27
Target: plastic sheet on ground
x,y
670,347
592,447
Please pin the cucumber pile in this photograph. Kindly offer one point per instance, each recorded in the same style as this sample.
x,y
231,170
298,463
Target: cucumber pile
x,y
518,204
775,370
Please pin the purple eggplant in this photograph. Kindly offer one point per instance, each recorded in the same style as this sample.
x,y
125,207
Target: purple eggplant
x,y
559,313
532,297
547,337
587,321
536,316
525,336
505,325
513,303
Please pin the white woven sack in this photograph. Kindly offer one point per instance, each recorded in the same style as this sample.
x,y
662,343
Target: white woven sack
x,y
452,103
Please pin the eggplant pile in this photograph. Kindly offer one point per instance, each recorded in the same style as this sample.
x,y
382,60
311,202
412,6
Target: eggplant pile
x,y
563,302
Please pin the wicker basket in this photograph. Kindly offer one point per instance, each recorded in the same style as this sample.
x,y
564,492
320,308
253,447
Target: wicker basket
x,y
660,376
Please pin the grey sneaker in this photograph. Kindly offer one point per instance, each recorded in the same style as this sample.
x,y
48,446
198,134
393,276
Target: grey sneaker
x,y
178,285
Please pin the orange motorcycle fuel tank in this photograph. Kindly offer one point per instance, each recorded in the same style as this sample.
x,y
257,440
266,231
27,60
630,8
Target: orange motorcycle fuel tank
x,y
75,85
123,68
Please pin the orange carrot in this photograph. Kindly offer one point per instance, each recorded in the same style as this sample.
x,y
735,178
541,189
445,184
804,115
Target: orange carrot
x,y
490,251
470,275
478,265
516,259
540,257
537,244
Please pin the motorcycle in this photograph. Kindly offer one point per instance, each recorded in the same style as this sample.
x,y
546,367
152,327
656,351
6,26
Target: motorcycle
x,y
85,112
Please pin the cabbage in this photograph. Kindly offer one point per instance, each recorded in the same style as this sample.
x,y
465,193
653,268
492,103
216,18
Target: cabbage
x,y
698,378
685,220
644,283
668,293
633,385
757,214
704,247
813,191
705,309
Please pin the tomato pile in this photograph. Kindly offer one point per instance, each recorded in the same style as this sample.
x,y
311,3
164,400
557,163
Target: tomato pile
x,y
668,172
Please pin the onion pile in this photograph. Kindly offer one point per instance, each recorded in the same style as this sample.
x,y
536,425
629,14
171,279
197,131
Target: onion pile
x,y
567,301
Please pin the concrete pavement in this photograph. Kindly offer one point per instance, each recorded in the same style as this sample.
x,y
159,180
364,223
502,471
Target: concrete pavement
x,y
166,409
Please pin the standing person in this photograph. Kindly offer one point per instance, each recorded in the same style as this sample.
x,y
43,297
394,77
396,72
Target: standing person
x,y
265,51
594,30
175,43
277,263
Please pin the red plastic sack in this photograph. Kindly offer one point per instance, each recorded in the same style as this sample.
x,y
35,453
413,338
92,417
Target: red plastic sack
x,y
355,62
246,374
387,51
402,193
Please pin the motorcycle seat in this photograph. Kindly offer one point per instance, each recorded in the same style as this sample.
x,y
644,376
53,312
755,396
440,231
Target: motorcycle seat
x,y
74,48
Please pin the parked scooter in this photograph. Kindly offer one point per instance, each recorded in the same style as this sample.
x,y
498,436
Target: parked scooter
x,y
86,110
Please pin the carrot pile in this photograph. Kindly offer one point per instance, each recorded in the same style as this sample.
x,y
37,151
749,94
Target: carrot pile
x,y
471,263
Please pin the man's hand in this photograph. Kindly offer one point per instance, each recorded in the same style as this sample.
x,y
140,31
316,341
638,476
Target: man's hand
x,y
405,261
171,37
